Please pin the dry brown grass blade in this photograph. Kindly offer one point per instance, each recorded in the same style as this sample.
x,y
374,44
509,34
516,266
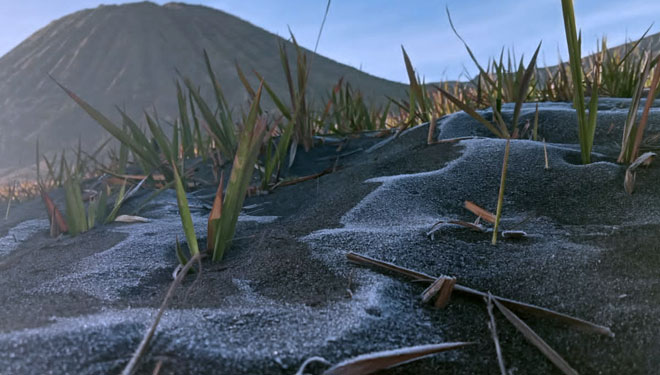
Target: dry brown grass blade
x,y
372,362
216,212
545,154
536,340
57,222
431,133
493,330
158,367
482,213
645,115
139,177
522,307
11,192
452,140
643,160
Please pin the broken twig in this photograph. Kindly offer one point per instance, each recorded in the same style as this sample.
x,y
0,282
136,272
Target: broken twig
x,y
482,213
512,304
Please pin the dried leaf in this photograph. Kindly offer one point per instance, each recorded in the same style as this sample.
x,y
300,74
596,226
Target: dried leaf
x,y
536,340
432,125
644,160
629,182
131,219
486,215
372,362
57,223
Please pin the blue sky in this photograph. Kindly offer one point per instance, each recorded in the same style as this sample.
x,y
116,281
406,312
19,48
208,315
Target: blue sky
x,y
368,34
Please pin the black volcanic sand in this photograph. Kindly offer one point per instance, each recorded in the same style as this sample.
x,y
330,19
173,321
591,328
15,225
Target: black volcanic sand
x,y
80,305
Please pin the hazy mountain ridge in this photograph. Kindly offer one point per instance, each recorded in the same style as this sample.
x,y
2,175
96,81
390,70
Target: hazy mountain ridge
x,y
126,56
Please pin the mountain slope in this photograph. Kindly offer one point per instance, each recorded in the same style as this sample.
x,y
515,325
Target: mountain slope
x,y
127,55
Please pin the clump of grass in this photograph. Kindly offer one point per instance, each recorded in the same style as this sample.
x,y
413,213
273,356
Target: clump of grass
x,y
347,112
253,132
586,122
83,211
621,69
503,83
275,155
557,86
301,121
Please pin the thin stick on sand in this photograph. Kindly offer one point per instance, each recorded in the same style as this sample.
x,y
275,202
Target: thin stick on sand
x,y
512,304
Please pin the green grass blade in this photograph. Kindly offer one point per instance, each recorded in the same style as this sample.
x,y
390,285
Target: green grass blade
x,y
486,76
75,208
160,137
108,125
222,131
277,160
524,86
244,81
184,212
273,96
118,201
187,141
470,111
500,197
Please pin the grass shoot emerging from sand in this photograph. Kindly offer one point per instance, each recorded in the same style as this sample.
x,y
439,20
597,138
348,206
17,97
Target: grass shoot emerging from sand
x,y
586,122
